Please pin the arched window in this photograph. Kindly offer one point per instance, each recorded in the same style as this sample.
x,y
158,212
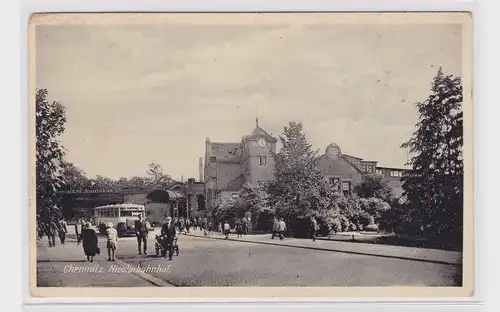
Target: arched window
x,y
262,161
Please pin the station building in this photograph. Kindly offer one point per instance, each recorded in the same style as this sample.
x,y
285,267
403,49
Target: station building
x,y
229,165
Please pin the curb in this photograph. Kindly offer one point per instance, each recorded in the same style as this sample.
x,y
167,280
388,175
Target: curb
x,y
333,250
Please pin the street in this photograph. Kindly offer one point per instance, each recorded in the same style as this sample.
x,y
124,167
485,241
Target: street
x,y
211,262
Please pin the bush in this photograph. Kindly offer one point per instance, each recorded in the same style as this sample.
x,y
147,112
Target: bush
x,y
371,228
336,225
344,223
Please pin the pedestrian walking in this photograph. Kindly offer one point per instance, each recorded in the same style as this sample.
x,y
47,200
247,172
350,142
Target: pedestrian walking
x,y
204,223
89,242
314,228
168,232
78,231
141,231
188,225
62,229
227,229
275,227
281,228
50,231
245,226
239,229
112,243
209,228
219,229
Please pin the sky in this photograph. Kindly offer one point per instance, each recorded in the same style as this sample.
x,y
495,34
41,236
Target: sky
x,y
135,94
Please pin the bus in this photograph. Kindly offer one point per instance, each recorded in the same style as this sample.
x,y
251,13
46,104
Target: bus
x,y
123,217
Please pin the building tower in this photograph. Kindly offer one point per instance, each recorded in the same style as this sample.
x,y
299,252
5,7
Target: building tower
x,y
257,157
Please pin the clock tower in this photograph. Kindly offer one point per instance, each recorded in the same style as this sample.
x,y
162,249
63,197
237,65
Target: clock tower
x,y
257,164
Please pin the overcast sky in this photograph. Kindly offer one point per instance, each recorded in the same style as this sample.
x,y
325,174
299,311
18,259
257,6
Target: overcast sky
x,y
137,94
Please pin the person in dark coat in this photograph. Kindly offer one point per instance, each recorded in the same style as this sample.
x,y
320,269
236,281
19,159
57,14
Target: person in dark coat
x,y
89,242
239,229
50,230
141,232
62,229
168,232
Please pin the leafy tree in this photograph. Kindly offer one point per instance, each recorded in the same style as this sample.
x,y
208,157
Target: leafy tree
x,y
250,200
73,178
375,208
434,188
157,178
50,124
101,183
298,189
228,210
374,185
137,184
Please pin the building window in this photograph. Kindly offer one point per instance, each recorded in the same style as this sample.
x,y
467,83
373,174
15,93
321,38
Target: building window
x,y
213,159
335,182
363,167
235,196
262,161
395,173
346,188
260,183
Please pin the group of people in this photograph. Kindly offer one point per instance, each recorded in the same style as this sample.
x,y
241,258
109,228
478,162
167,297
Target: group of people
x,y
240,227
185,224
88,238
167,235
59,228
279,228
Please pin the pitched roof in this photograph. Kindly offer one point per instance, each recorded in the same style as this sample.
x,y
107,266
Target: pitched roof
x,y
225,151
259,132
337,166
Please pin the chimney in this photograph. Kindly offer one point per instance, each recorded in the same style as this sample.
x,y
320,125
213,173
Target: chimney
x,y
201,169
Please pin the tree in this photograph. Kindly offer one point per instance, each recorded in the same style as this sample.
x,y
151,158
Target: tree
x,y
434,186
250,199
50,124
101,183
298,190
374,185
73,178
157,178
227,210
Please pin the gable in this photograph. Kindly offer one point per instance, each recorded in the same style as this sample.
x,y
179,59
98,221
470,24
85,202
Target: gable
x,y
339,167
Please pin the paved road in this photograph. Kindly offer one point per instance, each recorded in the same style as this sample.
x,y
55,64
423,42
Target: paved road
x,y
208,262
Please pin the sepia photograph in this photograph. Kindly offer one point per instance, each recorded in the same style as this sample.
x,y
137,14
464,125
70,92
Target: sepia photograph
x,y
239,155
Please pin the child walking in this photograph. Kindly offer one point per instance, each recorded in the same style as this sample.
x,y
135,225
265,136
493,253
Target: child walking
x,y
112,243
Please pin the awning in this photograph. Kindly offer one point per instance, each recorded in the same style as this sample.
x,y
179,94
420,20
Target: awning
x,y
174,195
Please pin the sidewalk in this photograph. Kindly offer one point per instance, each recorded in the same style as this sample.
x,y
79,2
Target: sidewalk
x,y
66,266
386,251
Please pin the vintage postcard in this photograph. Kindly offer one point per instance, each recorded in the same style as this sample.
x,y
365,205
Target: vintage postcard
x,y
283,155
